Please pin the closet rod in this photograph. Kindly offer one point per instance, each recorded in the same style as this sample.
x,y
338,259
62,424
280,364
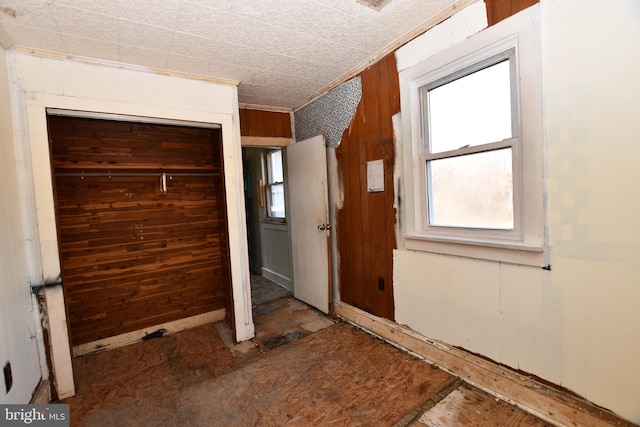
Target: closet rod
x,y
134,174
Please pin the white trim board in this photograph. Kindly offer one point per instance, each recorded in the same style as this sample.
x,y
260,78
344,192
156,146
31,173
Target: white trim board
x,y
554,406
122,66
135,336
129,118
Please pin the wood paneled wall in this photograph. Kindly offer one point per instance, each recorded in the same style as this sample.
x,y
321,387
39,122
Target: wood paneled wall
x,y
89,144
366,223
133,257
265,123
497,10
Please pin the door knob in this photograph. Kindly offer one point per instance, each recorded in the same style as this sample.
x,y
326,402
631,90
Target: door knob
x,y
324,227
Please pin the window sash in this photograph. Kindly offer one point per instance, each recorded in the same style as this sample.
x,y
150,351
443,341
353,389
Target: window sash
x,y
490,195
460,231
505,143
275,191
459,71
481,101
275,174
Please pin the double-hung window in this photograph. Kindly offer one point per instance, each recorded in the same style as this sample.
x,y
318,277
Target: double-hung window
x,y
274,185
472,147
470,136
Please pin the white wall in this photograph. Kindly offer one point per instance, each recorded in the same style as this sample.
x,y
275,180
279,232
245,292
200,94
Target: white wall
x,y
38,83
592,63
578,325
18,344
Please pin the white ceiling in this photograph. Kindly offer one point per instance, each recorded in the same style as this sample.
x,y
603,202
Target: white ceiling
x,y
282,51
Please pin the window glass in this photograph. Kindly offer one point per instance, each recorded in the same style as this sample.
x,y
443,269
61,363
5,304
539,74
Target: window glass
x,y
275,185
473,191
470,111
276,201
275,167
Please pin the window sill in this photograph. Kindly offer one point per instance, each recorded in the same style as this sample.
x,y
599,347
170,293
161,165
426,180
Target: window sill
x,y
501,251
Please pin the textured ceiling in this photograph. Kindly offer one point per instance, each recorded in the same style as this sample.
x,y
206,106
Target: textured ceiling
x,y
282,51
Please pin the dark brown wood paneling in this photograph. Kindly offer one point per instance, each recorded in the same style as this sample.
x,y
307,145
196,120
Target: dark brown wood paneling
x,y
81,145
366,222
133,257
497,10
265,123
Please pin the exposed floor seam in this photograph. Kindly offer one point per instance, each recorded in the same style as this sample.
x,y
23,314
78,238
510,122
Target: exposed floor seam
x,y
414,415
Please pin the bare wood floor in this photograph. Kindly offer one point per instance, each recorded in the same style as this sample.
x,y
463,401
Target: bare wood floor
x,y
302,369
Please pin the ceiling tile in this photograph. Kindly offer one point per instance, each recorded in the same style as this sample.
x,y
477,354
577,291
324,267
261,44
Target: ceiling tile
x,y
221,5
283,80
109,8
20,35
365,36
353,8
266,61
205,67
31,13
210,23
294,15
144,36
310,49
159,13
188,64
91,48
81,23
144,57
196,46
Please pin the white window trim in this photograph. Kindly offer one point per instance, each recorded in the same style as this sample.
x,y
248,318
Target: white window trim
x,y
268,185
506,49
525,244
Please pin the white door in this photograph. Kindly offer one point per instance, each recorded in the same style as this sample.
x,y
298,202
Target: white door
x,y
309,217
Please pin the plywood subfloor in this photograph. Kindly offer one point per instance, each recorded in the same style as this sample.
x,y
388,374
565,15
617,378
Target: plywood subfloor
x,y
325,373
469,406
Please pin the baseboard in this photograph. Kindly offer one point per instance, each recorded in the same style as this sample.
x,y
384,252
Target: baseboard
x,y
42,394
281,280
136,336
543,401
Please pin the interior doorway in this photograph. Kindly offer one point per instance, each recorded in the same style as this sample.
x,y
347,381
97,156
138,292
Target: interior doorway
x,y
267,206
268,234
286,200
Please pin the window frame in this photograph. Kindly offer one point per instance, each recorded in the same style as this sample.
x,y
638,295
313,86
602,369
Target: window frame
x,y
453,71
519,38
268,184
